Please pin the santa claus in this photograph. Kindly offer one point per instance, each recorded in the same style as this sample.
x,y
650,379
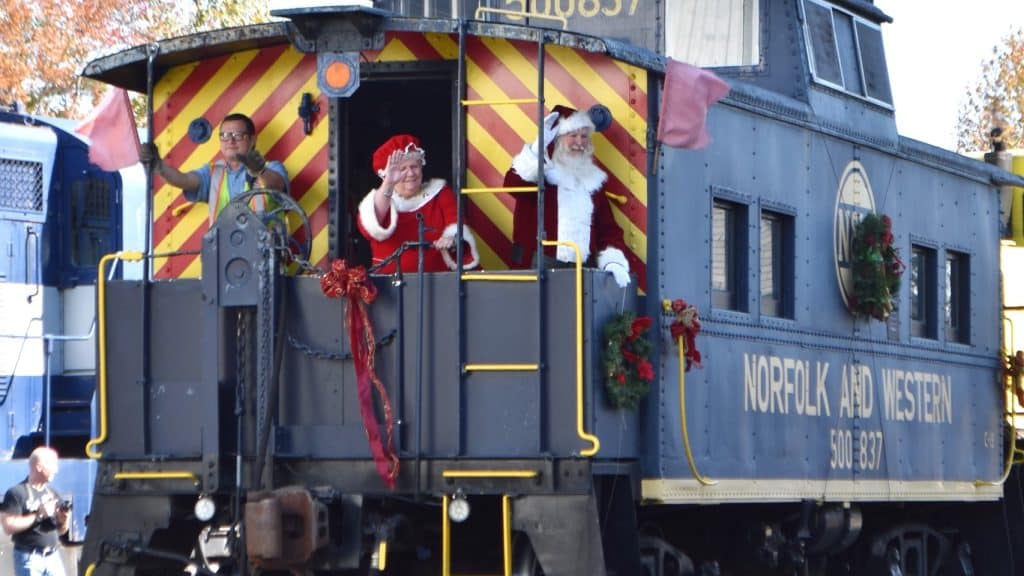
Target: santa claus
x,y
575,208
389,215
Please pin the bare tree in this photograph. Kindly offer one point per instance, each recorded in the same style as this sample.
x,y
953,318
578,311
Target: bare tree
x,y
997,100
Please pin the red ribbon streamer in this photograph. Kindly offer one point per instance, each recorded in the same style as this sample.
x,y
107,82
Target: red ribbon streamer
x,y
353,284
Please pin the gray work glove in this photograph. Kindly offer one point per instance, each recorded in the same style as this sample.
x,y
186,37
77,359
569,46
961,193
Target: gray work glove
x,y
253,161
149,155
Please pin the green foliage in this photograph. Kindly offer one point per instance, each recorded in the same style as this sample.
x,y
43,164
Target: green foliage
x,y
997,100
627,368
876,268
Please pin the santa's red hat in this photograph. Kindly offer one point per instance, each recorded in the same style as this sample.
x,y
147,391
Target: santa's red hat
x,y
571,120
407,144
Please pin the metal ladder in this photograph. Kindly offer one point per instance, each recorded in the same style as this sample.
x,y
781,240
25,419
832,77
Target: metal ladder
x,y
536,277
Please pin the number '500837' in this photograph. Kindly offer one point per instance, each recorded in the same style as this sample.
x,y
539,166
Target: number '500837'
x,y
569,8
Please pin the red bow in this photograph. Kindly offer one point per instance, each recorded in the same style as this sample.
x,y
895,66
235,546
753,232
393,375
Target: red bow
x,y
686,325
353,284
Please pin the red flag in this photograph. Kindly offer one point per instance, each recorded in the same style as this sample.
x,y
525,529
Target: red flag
x,y
689,92
112,133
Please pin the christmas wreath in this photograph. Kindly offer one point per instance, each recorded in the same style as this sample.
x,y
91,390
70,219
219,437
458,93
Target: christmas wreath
x,y
628,372
686,323
876,268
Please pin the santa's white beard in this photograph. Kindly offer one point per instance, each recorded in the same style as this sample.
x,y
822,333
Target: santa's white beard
x,y
576,166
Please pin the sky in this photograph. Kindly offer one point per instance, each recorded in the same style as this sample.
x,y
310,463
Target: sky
x,y
935,50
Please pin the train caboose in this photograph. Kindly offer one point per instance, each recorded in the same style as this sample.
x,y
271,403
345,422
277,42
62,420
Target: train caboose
x,y
831,428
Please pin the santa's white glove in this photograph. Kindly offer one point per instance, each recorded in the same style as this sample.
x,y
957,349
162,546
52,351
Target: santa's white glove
x,y
549,131
620,273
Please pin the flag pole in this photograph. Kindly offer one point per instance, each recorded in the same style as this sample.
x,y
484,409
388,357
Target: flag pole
x,y
151,53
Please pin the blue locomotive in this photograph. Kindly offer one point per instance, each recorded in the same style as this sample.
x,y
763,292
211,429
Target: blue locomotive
x,y
58,215
849,411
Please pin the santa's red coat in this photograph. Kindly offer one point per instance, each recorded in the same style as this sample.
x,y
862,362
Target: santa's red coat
x,y
604,231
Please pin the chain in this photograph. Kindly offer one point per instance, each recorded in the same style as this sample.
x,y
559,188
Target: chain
x,y
241,335
265,334
306,267
321,354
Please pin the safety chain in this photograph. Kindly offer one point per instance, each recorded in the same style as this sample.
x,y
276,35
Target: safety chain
x,y
241,334
265,314
321,354
306,267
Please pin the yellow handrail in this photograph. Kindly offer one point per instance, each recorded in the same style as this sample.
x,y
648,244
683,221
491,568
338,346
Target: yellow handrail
x,y
490,473
496,189
499,102
506,534
169,475
522,14
500,367
1011,411
595,444
620,198
1008,397
682,415
446,539
382,556
500,277
182,208
89,569
101,336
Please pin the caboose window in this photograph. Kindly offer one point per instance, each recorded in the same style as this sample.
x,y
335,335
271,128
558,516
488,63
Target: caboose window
x,y
727,226
957,294
713,33
776,254
846,52
923,288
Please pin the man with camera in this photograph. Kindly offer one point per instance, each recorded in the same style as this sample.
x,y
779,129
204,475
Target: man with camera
x,y
34,515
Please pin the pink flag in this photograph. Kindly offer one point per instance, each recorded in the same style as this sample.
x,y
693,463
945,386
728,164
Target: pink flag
x,y
689,92
111,129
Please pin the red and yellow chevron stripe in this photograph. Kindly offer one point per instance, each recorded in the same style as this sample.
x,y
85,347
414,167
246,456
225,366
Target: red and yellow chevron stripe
x,y
497,69
267,85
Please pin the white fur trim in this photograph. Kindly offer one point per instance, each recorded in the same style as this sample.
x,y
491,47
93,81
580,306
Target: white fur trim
x,y
613,260
612,255
525,163
368,218
575,209
467,236
428,190
575,121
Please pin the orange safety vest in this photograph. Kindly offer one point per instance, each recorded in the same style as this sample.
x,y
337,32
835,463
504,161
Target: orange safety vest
x,y
219,182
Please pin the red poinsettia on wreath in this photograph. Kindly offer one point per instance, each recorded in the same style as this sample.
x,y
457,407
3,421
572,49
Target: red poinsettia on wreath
x,y
628,370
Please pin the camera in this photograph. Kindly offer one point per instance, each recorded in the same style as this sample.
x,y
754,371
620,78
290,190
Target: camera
x,y
64,505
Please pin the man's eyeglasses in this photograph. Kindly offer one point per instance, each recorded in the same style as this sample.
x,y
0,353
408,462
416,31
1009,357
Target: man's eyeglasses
x,y
233,136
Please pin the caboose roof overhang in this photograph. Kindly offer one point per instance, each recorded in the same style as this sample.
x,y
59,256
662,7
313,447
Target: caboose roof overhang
x,y
333,31
865,9
127,69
